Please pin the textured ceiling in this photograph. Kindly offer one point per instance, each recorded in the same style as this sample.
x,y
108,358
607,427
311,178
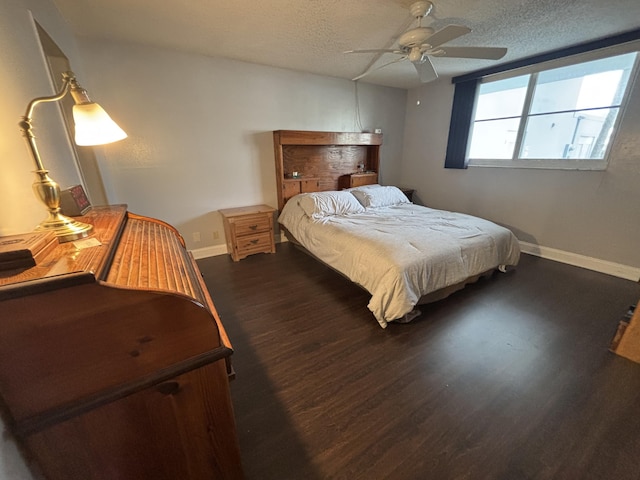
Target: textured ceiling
x,y
311,35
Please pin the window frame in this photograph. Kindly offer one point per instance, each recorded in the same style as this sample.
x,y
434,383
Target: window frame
x,y
466,92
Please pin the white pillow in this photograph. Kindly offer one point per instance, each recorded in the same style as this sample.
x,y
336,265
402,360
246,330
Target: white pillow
x,y
371,185
377,196
321,204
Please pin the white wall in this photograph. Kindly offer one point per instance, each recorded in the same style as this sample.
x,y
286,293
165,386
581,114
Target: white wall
x,y
591,214
200,129
24,76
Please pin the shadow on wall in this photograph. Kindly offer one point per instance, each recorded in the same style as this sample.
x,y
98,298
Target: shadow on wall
x,y
208,230
263,162
416,199
203,231
522,236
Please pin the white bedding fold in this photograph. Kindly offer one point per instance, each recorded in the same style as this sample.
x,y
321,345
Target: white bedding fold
x,y
402,252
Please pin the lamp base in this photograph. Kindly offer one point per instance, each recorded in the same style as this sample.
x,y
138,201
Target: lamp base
x,y
65,228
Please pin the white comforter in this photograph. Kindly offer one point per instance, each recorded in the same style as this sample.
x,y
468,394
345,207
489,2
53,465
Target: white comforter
x,y
402,252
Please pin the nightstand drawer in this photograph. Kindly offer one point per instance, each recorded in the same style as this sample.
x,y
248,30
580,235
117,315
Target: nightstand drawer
x,y
258,243
252,224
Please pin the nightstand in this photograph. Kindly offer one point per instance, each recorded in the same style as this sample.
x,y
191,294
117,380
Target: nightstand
x,y
248,230
408,192
626,342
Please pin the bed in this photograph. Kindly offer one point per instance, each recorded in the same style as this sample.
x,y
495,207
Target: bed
x,y
403,254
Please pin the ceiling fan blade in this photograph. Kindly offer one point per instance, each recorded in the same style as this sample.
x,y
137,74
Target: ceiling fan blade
x,y
367,72
426,72
448,33
374,51
488,53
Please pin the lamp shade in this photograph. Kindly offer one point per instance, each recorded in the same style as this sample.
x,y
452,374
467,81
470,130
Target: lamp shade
x,y
94,126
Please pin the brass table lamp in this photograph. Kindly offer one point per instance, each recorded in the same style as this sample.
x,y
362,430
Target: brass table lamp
x,y
93,126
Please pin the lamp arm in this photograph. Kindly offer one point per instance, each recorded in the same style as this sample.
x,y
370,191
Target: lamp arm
x,y
25,123
66,85
45,188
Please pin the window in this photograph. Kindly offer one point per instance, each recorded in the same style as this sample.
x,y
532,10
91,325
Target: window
x,y
558,118
558,110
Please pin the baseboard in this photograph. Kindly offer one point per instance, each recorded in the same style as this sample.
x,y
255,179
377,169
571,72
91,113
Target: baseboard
x,y
590,263
211,251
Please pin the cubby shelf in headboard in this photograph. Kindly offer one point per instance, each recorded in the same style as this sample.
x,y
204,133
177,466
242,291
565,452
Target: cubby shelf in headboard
x,y
321,159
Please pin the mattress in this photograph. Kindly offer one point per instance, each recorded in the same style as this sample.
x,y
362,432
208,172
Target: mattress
x,y
402,252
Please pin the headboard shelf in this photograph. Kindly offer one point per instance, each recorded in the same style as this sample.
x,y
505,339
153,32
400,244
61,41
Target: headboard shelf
x,y
324,157
303,137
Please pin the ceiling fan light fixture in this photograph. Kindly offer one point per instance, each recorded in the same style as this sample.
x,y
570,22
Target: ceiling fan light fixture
x,y
415,36
416,56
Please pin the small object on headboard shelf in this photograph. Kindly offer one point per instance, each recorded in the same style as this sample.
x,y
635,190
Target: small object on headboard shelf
x,y
74,202
324,157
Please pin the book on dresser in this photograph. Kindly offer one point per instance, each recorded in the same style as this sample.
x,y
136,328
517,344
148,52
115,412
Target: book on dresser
x,y
25,250
114,362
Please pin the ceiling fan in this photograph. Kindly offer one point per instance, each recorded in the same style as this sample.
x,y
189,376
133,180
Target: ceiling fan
x,y
419,43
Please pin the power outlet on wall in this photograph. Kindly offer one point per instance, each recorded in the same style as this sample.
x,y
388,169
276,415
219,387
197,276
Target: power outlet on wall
x,y
216,235
196,236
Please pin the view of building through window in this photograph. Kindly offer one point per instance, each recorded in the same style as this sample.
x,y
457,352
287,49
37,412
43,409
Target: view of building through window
x,y
562,113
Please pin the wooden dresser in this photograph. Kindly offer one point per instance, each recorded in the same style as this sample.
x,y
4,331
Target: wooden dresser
x,y
114,363
248,230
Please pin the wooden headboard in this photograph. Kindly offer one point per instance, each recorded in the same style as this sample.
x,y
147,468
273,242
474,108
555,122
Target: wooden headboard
x,y
324,161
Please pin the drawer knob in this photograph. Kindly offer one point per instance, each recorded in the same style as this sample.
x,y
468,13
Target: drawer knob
x,y
254,241
253,227
168,388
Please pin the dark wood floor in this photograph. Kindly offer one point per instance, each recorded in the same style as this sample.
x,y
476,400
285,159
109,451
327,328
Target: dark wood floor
x,y
508,379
